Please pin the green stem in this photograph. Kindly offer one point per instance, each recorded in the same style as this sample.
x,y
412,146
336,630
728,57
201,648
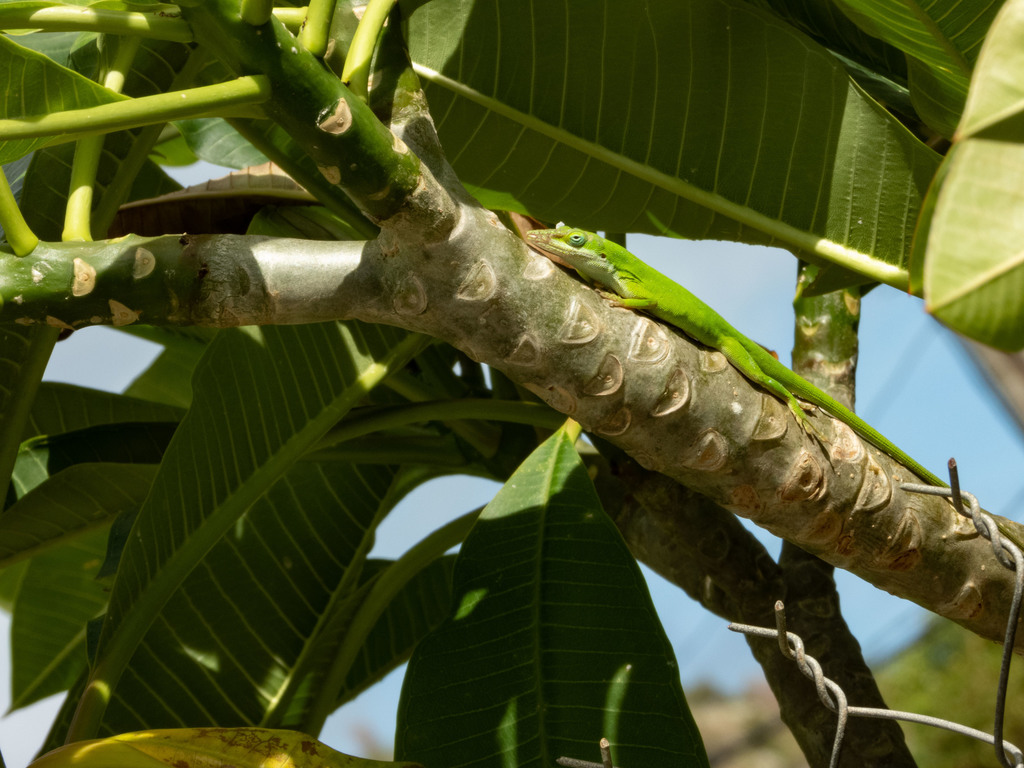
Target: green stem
x,y
78,212
17,231
351,147
356,74
73,18
256,12
131,113
332,198
387,586
317,29
292,18
83,177
368,420
119,188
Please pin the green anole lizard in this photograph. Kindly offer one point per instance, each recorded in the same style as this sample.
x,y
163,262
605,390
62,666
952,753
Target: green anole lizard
x,y
636,285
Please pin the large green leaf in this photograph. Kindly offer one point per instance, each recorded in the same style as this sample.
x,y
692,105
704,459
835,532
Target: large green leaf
x,y
708,118
215,141
24,353
253,608
553,642
262,398
830,27
73,502
59,594
941,40
249,634
974,265
62,408
59,46
34,85
128,443
420,606
169,378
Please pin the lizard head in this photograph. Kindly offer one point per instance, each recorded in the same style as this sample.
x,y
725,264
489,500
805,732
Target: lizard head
x,y
582,250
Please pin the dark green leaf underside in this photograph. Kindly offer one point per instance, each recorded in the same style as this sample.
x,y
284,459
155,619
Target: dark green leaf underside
x,y
553,642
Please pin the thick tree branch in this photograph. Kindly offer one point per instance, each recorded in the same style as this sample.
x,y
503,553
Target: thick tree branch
x,y
707,552
675,407
703,549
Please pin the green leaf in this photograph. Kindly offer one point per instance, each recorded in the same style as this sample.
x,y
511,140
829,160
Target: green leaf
x,y
35,85
973,268
60,408
304,222
131,443
553,642
829,26
10,582
706,119
61,47
215,141
169,378
24,353
174,152
58,596
262,399
71,503
250,629
941,41
419,608
252,609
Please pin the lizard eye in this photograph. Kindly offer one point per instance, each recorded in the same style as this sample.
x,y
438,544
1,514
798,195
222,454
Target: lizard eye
x,y
577,239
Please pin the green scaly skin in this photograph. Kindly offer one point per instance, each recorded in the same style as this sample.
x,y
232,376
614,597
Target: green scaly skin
x,y
636,285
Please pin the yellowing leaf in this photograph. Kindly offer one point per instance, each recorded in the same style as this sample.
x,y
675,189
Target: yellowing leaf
x,y
205,748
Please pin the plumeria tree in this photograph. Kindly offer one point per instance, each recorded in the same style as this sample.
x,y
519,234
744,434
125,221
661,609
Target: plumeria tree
x,y
363,316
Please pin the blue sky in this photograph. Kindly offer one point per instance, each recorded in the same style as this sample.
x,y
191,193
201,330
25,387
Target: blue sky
x,y
916,385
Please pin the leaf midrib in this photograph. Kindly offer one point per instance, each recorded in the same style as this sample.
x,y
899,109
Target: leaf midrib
x,y
832,251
